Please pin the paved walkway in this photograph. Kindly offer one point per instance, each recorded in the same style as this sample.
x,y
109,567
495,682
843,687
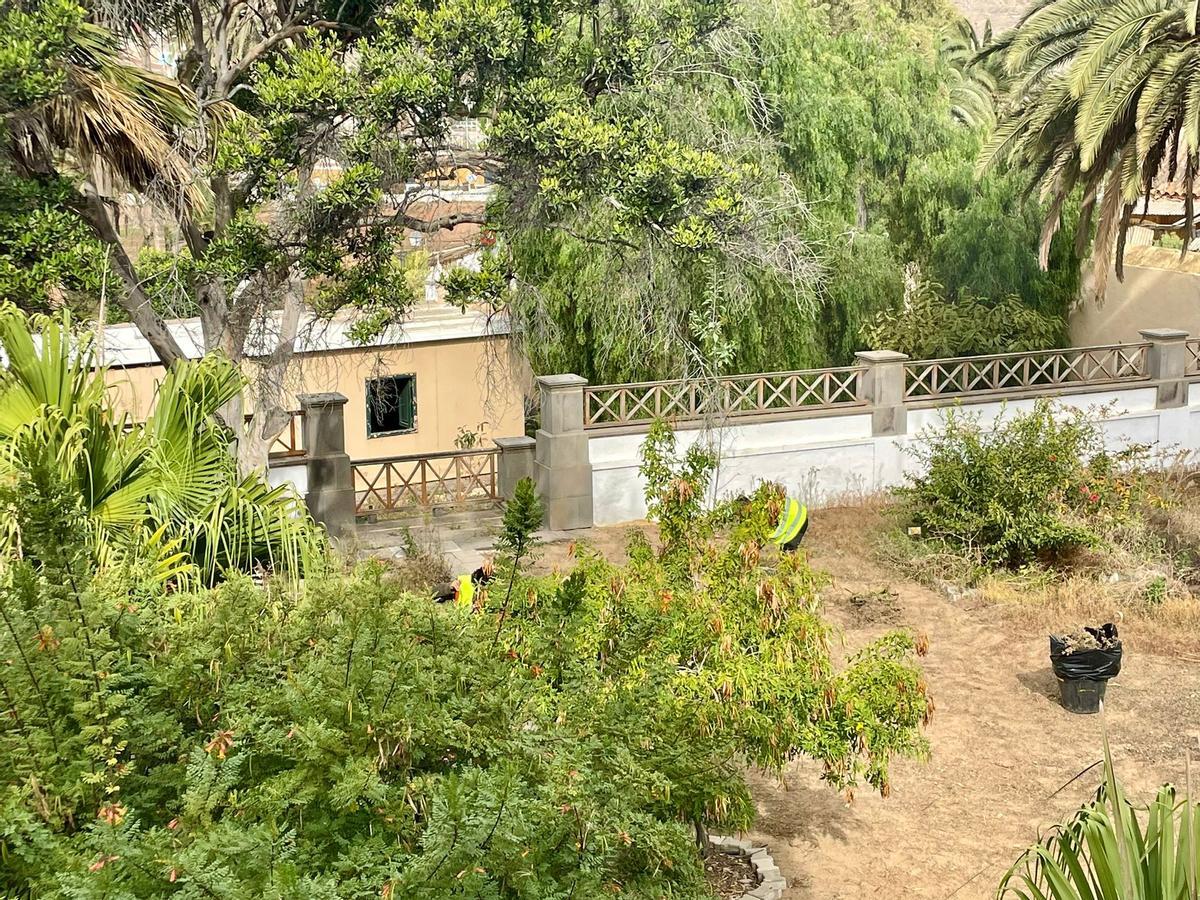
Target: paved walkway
x,y
465,539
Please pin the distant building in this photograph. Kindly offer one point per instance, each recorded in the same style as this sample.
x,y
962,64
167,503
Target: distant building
x,y
413,390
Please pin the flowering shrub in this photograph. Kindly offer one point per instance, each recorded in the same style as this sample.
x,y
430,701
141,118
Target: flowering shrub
x,y
1037,486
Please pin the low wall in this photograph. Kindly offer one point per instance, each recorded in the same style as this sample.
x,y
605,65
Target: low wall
x,y
826,440
293,472
824,460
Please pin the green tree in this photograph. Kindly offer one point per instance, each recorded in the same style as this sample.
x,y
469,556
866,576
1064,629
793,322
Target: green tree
x,y
1102,101
265,94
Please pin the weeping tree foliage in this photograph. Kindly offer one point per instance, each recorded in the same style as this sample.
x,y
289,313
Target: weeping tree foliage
x,y
170,483
1103,102
870,125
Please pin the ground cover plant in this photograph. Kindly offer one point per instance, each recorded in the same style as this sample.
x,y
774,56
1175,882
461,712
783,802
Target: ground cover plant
x,y
569,735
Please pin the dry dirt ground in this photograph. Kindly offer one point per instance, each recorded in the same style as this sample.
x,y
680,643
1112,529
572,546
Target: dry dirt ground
x,y
1002,747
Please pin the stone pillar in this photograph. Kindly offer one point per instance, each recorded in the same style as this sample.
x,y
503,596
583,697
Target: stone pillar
x,y
562,466
1166,364
882,386
330,496
515,463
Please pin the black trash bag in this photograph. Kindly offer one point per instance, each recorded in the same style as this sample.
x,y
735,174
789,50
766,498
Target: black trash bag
x,y
1093,665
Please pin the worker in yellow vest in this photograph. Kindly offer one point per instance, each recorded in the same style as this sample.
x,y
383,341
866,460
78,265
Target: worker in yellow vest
x,y
462,591
793,522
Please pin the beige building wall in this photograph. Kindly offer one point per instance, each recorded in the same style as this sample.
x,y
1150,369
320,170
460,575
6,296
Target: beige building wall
x,y
475,383
1148,298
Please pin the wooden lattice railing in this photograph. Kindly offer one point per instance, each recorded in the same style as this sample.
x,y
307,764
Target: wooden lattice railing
x,y
1193,357
382,485
1024,371
290,441
739,395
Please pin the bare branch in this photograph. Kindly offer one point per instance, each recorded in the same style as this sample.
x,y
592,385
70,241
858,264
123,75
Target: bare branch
x,y
254,54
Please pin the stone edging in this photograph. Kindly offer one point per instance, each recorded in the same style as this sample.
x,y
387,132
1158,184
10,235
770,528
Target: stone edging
x,y
773,884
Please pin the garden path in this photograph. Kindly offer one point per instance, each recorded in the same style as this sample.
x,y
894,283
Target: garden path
x,y
1002,746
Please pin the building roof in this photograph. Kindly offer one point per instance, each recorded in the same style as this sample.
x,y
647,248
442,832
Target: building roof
x,y
123,345
1169,190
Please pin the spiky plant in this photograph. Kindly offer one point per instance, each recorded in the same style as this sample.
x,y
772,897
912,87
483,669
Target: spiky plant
x,y
1105,98
1111,850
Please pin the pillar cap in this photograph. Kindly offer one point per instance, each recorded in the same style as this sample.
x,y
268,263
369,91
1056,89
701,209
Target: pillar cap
x,y
523,442
561,382
880,356
1164,335
328,399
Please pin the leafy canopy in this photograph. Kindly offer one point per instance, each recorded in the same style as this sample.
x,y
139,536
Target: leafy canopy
x,y
346,739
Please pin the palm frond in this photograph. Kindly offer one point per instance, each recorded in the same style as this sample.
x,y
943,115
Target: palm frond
x,y
168,490
131,122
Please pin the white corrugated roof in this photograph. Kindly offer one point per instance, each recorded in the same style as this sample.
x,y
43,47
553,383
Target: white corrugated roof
x,y
125,346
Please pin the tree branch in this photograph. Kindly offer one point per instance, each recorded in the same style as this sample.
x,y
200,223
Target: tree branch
x,y
440,223
255,53
133,299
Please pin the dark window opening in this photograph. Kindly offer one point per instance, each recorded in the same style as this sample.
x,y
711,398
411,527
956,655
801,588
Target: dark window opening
x,y
391,405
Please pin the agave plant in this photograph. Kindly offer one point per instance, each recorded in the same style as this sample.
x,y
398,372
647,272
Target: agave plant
x,y
1111,850
168,487
1104,101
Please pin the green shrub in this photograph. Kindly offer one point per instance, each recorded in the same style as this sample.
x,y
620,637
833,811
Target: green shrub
x,y
931,326
569,737
1107,851
1035,488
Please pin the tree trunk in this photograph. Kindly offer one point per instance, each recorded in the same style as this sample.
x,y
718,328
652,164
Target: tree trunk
x,y
270,416
133,299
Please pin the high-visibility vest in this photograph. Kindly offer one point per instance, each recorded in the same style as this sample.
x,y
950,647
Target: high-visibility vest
x,y
792,525
466,591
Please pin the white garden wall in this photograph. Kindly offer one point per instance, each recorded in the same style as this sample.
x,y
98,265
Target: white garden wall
x,y
835,456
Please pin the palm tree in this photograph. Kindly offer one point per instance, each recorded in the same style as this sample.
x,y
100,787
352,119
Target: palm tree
x,y
1105,97
976,74
101,116
169,485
